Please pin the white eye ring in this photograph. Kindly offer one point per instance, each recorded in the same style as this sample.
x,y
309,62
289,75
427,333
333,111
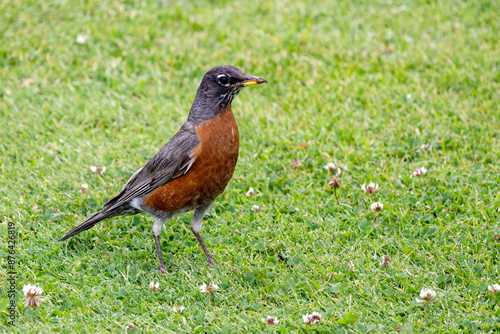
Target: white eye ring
x,y
223,76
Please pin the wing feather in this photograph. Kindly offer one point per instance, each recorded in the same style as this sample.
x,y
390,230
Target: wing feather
x,y
172,161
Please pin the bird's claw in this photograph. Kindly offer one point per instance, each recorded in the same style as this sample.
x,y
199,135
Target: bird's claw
x,y
162,271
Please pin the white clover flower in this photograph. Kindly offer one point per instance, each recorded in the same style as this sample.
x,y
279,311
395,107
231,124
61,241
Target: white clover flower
x,y
330,166
255,208
385,261
495,288
377,206
27,82
371,188
31,292
97,170
426,295
296,164
81,39
270,320
84,188
426,147
420,171
408,39
209,288
250,192
335,182
311,318
154,286
178,308
408,96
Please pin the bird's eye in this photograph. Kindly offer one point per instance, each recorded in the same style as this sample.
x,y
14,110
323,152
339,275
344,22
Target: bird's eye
x,y
223,80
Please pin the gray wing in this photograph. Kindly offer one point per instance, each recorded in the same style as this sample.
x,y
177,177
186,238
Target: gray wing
x,y
173,160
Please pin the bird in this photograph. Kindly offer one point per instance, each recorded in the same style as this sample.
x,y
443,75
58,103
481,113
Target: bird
x,y
192,168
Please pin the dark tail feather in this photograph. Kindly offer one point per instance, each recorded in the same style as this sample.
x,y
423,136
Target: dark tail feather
x,y
101,215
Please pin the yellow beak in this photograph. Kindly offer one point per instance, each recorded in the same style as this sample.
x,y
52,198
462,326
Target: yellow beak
x,y
251,80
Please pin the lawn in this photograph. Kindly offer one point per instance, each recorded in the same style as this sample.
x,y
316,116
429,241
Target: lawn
x,y
359,84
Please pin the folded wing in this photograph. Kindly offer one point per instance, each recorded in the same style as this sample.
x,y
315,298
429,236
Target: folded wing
x,y
172,161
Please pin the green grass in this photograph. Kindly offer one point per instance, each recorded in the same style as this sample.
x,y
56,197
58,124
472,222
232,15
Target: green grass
x,y
339,74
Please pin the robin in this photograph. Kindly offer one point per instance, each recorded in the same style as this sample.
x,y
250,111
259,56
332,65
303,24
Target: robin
x,y
193,167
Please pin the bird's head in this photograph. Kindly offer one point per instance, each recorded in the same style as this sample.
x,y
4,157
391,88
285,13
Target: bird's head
x,y
218,88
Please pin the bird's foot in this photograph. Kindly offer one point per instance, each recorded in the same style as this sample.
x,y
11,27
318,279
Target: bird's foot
x,y
162,271
211,262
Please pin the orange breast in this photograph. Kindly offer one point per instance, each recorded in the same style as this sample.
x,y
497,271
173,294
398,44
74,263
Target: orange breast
x,y
215,160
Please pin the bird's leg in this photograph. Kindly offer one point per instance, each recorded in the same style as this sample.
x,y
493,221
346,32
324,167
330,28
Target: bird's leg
x,y
163,269
202,244
196,223
156,234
